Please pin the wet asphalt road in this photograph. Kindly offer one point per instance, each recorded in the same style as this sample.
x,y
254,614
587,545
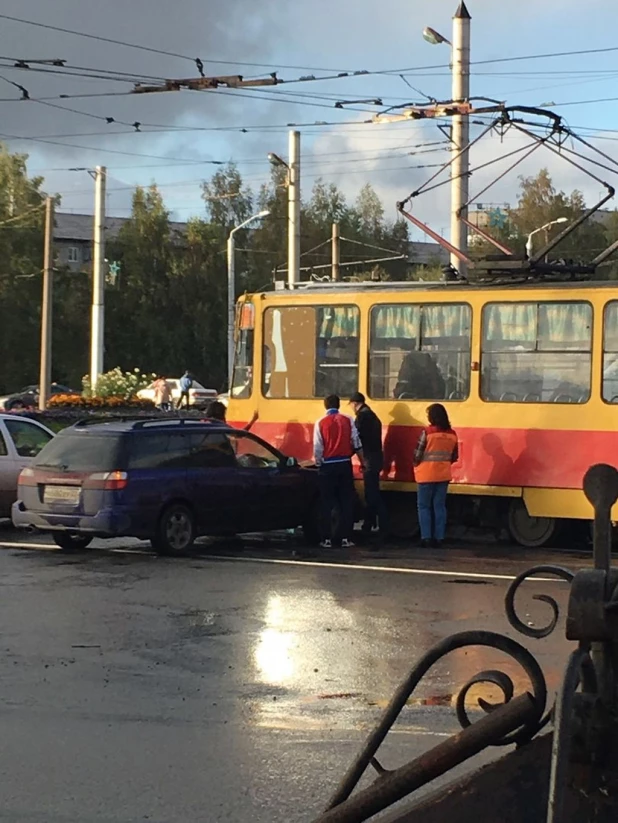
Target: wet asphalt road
x,y
226,687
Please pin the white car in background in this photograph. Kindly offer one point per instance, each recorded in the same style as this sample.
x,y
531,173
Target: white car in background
x,y
199,397
21,440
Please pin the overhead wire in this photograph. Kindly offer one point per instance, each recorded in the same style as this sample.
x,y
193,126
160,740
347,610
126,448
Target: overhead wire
x,y
348,72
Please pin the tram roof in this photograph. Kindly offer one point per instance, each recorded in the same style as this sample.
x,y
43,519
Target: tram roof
x,y
439,286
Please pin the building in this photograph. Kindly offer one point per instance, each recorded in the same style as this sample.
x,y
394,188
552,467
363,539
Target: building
x,y
73,241
427,254
73,238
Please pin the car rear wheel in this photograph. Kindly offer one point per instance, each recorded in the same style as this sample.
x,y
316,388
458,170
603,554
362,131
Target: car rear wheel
x,y
175,532
71,542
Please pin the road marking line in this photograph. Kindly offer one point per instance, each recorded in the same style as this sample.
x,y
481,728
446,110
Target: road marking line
x,y
367,568
318,564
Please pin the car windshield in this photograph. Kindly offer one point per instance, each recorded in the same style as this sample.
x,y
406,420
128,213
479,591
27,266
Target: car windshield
x,y
81,452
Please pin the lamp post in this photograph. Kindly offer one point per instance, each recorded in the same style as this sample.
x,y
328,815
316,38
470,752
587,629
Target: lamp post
x,y
231,290
460,132
293,184
542,228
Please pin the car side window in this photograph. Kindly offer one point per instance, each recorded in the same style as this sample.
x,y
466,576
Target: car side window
x,y
211,450
178,451
27,438
3,447
251,454
148,451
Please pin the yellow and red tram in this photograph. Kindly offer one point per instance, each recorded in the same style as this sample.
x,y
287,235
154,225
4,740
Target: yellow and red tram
x,y
528,373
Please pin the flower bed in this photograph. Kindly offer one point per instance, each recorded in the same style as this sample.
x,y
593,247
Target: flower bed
x,y
78,401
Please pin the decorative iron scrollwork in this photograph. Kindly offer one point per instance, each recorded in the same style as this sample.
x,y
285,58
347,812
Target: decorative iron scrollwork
x,y
509,602
491,640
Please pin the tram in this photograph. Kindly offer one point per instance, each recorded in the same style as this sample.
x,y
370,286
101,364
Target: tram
x,y
528,374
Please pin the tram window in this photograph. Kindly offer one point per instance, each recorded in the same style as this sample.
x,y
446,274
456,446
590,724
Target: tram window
x,y
310,351
243,360
536,352
420,352
610,352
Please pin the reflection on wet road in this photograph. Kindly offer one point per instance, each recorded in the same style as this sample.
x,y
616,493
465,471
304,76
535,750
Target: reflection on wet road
x,y
221,689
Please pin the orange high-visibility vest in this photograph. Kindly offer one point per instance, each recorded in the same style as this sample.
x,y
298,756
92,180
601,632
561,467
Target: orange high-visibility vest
x,y
435,466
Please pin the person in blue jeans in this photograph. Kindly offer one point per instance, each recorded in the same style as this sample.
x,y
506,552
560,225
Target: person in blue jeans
x,y
436,451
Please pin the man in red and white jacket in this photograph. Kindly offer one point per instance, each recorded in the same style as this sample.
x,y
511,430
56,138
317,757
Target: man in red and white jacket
x,y
335,441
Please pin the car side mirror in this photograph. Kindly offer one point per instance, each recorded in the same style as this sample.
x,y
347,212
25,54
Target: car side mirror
x,y
291,462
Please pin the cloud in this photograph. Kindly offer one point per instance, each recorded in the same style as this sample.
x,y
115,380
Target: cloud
x,y
384,159
309,39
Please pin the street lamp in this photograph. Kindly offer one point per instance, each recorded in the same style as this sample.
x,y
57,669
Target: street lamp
x,y
231,290
434,37
293,184
542,228
275,160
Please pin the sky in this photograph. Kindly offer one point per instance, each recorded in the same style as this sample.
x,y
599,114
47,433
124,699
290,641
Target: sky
x,y
183,135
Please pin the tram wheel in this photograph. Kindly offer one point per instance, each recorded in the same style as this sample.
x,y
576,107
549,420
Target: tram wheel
x,y
530,532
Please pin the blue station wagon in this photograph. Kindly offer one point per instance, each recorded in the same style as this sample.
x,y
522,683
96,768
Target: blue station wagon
x,y
166,481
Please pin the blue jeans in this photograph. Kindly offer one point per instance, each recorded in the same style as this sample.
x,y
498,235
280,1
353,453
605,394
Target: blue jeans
x,y
431,498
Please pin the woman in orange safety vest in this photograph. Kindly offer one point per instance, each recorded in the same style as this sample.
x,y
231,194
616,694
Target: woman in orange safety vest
x,y
435,452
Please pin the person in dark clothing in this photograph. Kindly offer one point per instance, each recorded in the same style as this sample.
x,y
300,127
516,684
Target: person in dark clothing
x,y
369,430
186,381
335,441
419,378
217,412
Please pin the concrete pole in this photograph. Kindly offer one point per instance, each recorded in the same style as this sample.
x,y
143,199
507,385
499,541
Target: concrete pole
x,y
335,253
231,304
98,280
294,209
460,132
46,307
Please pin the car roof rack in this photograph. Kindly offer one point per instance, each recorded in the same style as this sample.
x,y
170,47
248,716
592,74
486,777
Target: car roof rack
x,y
151,422
99,418
177,421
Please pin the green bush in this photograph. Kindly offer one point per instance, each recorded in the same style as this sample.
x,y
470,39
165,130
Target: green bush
x,y
116,383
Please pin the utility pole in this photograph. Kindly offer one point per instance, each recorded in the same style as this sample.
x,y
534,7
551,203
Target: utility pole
x,y
231,308
335,254
460,134
98,279
46,307
294,209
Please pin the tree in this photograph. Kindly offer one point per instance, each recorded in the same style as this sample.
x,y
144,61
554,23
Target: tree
x,y
370,213
21,252
228,201
139,314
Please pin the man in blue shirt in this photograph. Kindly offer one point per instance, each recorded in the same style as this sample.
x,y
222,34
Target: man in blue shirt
x,y
186,381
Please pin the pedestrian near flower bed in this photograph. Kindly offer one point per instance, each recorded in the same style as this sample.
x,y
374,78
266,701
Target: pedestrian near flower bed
x,y
186,381
162,394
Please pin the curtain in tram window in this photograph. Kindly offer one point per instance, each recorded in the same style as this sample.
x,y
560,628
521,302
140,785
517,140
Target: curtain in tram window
x,y
396,322
610,327
510,324
446,321
338,321
565,326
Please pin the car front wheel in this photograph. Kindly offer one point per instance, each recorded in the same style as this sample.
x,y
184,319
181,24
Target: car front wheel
x,y
71,542
175,531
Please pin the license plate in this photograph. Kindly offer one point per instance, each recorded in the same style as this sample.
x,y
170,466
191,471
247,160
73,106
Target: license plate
x,y
61,494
